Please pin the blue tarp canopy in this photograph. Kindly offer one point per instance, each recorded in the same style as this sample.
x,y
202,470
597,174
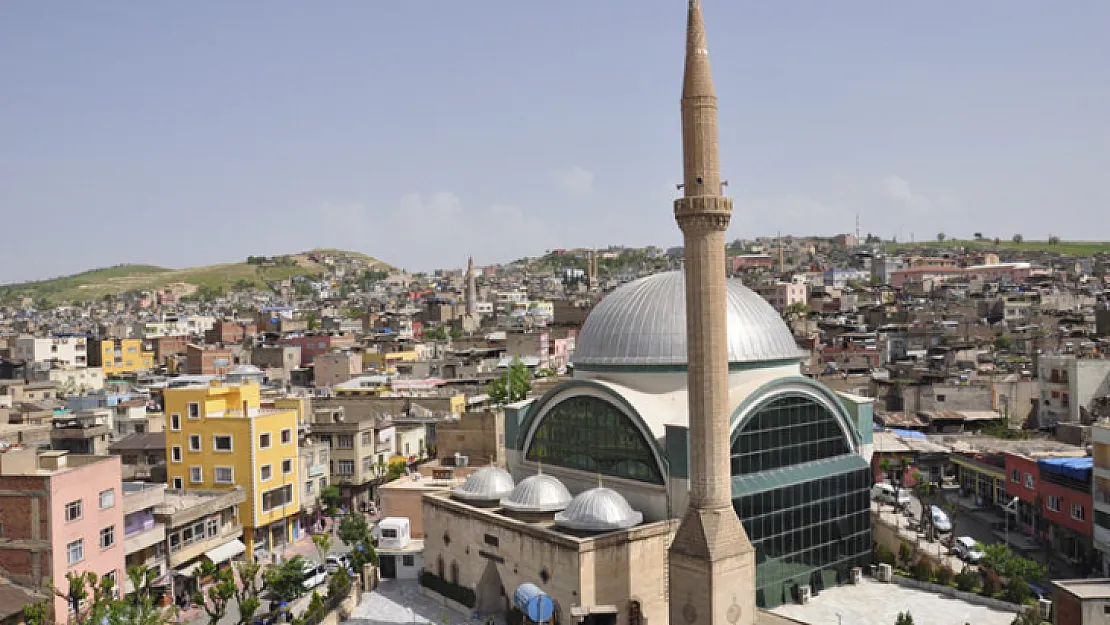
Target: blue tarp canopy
x,y
1076,468
908,433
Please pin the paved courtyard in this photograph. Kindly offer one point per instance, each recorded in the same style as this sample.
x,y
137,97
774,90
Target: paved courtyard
x,y
400,602
875,603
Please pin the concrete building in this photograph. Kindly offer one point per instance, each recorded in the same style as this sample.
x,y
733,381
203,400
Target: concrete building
x,y
478,436
60,513
200,525
357,457
221,438
64,350
1080,601
336,367
783,295
1070,387
120,356
315,474
200,360
84,432
1100,494
144,537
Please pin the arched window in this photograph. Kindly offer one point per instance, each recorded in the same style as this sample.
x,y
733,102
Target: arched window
x,y
454,572
439,567
590,434
789,430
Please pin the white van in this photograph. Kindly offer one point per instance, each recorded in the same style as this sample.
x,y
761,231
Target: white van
x,y
967,548
884,492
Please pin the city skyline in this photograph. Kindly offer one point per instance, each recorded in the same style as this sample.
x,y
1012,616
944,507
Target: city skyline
x,y
421,135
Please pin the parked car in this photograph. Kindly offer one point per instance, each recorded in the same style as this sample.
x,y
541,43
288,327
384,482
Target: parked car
x,y
967,549
940,519
314,575
335,562
884,492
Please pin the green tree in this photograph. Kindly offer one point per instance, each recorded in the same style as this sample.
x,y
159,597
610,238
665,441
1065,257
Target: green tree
x,y
312,320
1017,238
285,578
355,531
966,579
225,588
1018,591
941,236
1053,240
513,385
436,333
330,497
395,469
94,601
904,618
322,542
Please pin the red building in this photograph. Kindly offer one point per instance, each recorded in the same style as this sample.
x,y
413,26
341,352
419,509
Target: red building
x,y
1054,502
313,345
207,360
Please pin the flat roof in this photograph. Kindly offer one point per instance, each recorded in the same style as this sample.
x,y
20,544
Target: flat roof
x,y
1085,588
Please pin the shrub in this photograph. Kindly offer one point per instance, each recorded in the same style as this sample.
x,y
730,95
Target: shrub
x,y
991,584
1018,591
905,553
885,556
922,571
945,576
966,580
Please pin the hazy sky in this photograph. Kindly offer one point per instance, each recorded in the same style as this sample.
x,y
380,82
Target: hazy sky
x,y
421,131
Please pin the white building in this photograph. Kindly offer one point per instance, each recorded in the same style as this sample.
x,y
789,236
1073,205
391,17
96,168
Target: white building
x,y
1069,385
69,351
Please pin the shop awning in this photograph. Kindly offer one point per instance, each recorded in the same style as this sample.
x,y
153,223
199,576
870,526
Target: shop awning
x,y
189,570
226,551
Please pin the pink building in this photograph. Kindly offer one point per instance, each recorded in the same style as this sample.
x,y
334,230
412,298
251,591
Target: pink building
x,y
781,295
1012,272
916,275
60,513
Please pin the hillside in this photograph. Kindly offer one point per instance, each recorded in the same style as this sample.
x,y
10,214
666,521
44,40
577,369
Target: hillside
x,y
95,284
1068,248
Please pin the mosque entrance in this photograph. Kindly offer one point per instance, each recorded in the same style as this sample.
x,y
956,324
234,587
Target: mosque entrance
x,y
600,619
490,593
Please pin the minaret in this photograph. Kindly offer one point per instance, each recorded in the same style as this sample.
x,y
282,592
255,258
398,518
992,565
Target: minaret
x,y
712,563
471,288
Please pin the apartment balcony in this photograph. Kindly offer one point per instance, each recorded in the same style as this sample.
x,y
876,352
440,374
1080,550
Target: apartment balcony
x,y
136,542
1102,538
198,548
68,432
182,507
139,496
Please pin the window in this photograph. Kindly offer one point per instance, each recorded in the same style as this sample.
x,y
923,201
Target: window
x,y
345,441
367,438
264,440
1015,476
407,560
196,475
1030,483
590,434
194,442
73,510
367,463
286,436
287,466
266,473
213,526
308,487
277,498
175,422
108,537
178,484
389,532
1052,502
223,475
788,430
75,551
1077,511
194,410
107,498
345,467
940,399
175,453
221,442
492,540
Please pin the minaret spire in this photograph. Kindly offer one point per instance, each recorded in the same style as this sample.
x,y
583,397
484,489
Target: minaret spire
x,y
711,561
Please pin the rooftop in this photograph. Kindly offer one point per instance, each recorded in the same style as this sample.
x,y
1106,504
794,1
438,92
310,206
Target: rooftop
x,y
1085,588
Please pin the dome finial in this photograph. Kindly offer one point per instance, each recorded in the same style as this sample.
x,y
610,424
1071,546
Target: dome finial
x,y
599,483
539,467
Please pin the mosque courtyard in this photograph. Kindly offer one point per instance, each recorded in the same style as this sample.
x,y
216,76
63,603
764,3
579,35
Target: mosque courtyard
x,y
876,603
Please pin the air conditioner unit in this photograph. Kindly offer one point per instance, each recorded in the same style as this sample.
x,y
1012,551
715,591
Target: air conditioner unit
x,y
805,593
885,573
1044,606
856,575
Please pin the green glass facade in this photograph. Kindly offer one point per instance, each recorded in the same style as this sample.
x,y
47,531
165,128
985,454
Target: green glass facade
x,y
803,497
590,434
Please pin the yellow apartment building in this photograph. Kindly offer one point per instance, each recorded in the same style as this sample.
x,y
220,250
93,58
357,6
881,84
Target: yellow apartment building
x,y
118,356
219,437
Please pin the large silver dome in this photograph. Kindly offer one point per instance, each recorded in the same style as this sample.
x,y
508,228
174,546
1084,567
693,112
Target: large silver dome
x,y
485,484
599,510
537,493
644,323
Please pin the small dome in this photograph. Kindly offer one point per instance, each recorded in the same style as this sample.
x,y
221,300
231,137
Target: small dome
x,y
245,370
644,323
485,484
599,510
537,493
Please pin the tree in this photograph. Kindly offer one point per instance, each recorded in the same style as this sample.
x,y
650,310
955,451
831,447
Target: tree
x,y
284,579
966,579
904,618
331,498
93,601
1053,240
978,236
323,544
395,469
513,385
941,236
1018,239
355,531
1018,591
217,602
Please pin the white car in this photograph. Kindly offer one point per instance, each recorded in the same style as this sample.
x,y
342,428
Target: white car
x,y
884,492
967,548
314,575
335,562
940,520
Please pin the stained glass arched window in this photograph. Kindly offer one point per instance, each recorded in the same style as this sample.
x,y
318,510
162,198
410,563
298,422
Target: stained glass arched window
x,y
789,430
590,434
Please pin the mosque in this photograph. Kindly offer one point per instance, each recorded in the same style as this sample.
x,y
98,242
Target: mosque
x,y
799,465
688,471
